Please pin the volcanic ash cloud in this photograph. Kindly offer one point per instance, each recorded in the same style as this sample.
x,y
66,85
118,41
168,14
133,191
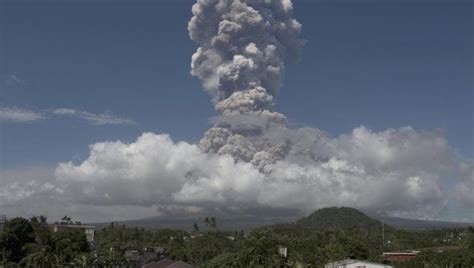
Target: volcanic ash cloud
x,y
243,47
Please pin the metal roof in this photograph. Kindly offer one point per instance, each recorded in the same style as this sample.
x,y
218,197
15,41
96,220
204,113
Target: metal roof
x,y
351,261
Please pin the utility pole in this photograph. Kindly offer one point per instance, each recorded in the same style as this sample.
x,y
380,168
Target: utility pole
x,y
383,236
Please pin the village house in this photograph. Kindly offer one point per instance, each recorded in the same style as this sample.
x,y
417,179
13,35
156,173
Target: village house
x,y
399,256
167,263
89,230
356,264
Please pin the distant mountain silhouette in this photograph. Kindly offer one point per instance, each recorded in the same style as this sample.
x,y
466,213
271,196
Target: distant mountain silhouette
x,y
223,223
413,224
322,219
338,217
335,218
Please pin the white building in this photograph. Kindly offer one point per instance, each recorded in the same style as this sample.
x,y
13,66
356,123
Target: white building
x,y
88,230
356,264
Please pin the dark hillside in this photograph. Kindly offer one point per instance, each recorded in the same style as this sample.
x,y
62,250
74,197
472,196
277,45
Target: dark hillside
x,y
336,218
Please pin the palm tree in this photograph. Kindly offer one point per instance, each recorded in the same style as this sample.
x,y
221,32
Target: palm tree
x,y
212,222
42,219
196,227
40,256
66,220
206,220
84,261
34,220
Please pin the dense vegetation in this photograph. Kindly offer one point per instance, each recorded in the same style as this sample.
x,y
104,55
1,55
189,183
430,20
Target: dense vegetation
x,y
31,243
311,242
336,218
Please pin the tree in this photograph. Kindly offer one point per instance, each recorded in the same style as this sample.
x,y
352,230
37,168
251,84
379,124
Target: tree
x,y
261,250
358,251
66,220
84,261
40,256
225,260
42,232
34,220
42,219
38,220
70,242
470,238
212,222
10,248
196,227
334,251
19,233
21,228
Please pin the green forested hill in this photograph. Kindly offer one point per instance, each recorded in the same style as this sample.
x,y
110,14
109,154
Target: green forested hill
x,y
336,218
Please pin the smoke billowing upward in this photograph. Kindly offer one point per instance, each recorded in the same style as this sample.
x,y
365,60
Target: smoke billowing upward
x,y
243,46
241,60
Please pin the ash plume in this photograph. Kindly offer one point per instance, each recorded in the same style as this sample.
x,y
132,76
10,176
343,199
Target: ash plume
x,y
243,47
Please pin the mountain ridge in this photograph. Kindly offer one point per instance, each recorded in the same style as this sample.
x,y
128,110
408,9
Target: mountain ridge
x,y
333,218
251,222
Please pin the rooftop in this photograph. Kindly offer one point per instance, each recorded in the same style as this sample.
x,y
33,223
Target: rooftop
x,y
350,261
167,263
405,252
74,226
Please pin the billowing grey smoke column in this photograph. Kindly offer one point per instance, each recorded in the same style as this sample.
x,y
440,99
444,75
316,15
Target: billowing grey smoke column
x,y
243,47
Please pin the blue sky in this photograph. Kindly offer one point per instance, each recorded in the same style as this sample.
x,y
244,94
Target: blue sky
x,y
384,64
380,65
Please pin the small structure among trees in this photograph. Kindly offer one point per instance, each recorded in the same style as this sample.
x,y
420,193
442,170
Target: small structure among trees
x,y
356,264
67,223
400,255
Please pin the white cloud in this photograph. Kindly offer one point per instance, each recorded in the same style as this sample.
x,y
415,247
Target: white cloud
x,y
156,171
464,191
29,191
106,118
13,114
12,81
400,171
